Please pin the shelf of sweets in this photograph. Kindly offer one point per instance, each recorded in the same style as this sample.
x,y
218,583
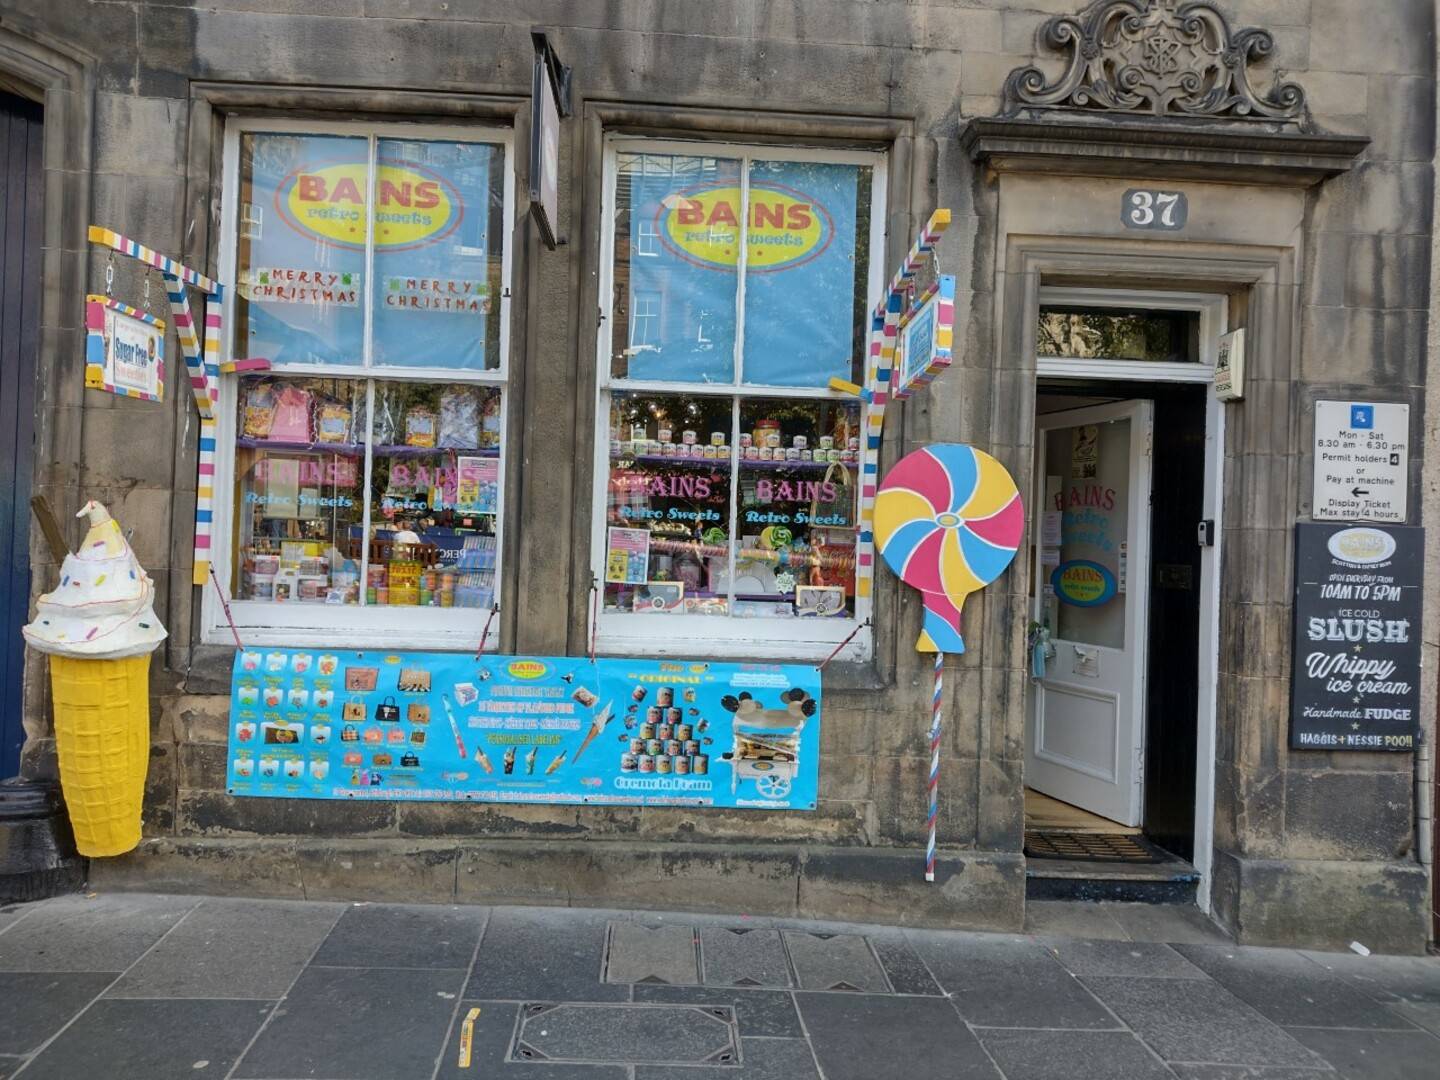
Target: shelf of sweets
x,y
723,463
349,449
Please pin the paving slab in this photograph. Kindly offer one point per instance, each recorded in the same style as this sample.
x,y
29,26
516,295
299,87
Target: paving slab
x,y
1066,1055
357,1023
151,1040
1140,959
762,1059
90,933
1288,989
36,1004
904,968
743,957
1386,978
1246,1072
1199,1021
10,914
1072,918
1173,924
548,954
9,1066
874,1037
651,954
834,962
626,1034
403,936
232,949
999,981
1375,1055
767,1013
490,1039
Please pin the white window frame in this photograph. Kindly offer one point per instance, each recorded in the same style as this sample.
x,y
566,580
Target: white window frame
x,y
1209,306
352,625
722,636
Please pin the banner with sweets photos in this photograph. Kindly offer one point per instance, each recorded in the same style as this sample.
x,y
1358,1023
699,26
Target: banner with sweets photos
x,y
448,727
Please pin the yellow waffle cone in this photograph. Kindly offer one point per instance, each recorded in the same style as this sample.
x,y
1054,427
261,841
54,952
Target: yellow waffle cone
x,y
102,734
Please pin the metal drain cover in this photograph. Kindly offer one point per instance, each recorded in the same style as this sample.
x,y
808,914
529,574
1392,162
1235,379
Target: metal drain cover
x,y
627,1034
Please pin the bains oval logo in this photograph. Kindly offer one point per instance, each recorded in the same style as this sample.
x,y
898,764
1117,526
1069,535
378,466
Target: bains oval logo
x,y
526,669
1361,546
414,207
702,226
1082,583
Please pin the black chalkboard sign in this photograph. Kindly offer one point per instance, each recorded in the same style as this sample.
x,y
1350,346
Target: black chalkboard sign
x,y
1355,684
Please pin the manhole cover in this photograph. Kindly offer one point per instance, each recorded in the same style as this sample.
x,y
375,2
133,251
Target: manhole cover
x,y
627,1034
1092,847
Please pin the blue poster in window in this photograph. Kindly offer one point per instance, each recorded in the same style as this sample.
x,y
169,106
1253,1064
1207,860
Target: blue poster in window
x,y
317,724
302,235
801,270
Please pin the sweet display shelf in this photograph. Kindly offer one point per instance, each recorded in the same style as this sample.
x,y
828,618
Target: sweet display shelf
x,y
724,463
346,449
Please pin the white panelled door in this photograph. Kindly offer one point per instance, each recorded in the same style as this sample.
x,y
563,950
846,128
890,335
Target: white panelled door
x,y
1085,738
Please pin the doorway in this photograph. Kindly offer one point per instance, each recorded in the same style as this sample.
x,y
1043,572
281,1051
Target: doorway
x,y
1118,768
21,127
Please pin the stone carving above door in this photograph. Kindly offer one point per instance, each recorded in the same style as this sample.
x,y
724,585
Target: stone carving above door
x,y
1156,58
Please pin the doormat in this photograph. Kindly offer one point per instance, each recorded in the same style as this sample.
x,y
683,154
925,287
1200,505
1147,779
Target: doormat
x,y
1091,847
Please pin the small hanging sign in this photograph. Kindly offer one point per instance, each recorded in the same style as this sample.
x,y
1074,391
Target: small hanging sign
x,y
1230,367
124,350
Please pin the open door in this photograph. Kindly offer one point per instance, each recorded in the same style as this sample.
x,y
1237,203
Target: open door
x,y
1085,743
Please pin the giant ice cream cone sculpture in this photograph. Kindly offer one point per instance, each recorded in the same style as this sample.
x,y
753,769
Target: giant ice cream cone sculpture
x,y
99,627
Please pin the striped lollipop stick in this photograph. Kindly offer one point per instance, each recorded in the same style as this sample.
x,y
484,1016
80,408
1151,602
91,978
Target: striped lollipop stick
x,y
934,766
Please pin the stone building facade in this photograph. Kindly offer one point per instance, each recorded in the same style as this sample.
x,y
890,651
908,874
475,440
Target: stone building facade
x,y
1309,179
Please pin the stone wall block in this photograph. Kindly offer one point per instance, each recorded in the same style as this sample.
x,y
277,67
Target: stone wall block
x,y
844,22
1376,197
1401,118
1397,37
1347,815
262,869
157,816
902,800
1001,814
400,871
139,136
976,890
1387,271
204,766
216,814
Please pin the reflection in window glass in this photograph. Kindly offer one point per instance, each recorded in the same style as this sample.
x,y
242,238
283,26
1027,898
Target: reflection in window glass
x,y
668,504
1115,334
433,500
301,248
677,243
1087,480
438,241
806,272
675,543
795,553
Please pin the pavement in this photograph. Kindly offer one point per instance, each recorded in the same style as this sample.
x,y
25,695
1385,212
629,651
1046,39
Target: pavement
x,y
142,987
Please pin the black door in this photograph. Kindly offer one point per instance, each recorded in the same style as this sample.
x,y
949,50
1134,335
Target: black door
x,y
20,226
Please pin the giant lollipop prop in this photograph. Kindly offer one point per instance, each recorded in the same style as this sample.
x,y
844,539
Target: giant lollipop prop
x,y
948,520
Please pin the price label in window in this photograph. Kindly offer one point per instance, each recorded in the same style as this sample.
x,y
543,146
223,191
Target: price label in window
x,y
1150,208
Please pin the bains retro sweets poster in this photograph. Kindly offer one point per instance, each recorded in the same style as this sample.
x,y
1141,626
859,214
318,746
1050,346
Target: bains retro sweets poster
x,y
316,724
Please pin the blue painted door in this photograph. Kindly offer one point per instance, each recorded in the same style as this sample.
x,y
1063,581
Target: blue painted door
x,y
20,230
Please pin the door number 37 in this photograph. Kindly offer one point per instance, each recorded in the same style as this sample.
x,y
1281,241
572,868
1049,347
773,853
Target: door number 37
x,y
1147,208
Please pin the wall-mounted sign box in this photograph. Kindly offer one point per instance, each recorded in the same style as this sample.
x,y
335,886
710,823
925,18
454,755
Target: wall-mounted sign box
x,y
1230,367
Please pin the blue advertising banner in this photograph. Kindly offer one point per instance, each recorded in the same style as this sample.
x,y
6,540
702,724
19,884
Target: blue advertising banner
x,y
316,724
800,274
302,249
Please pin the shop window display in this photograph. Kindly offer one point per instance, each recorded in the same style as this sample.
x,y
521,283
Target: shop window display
x,y
421,534
363,254
740,498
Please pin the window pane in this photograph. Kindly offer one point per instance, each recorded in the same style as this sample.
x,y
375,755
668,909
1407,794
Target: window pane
x,y
1115,334
1087,479
299,465
434,495
438,242
806,272
668,504
797,508
301,248
677,246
